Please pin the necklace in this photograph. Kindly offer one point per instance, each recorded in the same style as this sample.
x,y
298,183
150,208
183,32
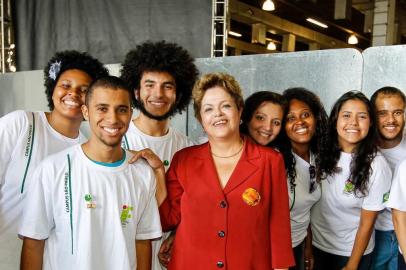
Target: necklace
x,y
232,155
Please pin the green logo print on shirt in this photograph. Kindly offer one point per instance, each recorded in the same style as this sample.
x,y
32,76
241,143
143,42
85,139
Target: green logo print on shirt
x,y
125,214
385,197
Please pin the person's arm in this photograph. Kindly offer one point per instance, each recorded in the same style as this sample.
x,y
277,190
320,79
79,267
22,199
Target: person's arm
x,y
144,254
399,222
159,171
362,238
164,254
32,254
308,250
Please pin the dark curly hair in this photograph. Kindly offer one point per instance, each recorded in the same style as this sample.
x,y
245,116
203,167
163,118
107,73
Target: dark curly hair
x,y
251,105
161,57
319,139
363,153
70,60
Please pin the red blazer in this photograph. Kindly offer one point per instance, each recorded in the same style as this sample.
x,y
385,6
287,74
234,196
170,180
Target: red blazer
x,y
217,228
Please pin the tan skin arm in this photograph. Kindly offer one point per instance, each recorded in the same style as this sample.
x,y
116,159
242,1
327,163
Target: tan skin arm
x,y
399,222
32,254
362,238
144,254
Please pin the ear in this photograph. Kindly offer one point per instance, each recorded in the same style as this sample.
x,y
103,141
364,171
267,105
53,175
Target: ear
x,y
85,112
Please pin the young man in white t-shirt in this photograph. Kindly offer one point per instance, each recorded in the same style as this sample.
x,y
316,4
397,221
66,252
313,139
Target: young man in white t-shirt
x,y
389,105
162,76
29,137
89,208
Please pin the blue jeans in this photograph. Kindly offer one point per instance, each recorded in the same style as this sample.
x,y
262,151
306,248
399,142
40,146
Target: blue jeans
x,y
385,254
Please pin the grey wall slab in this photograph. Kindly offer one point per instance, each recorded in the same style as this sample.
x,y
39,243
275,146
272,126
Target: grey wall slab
x,y
328,73
384,66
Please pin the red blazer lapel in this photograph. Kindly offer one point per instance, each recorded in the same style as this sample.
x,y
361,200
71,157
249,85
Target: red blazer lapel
x,y
245,166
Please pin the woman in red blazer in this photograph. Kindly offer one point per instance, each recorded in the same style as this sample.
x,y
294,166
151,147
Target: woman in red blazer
x,y
227,198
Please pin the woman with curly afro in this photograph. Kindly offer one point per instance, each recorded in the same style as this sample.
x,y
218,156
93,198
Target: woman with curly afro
x,y
28,137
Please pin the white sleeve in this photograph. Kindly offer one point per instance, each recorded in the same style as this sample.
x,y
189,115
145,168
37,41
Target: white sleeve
x,y
379,185
149,224
38,221
12,126
397,197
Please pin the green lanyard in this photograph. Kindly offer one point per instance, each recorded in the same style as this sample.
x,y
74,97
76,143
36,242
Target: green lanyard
x,y
30,154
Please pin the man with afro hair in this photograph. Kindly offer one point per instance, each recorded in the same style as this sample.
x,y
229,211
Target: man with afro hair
x,y
29,137
162,76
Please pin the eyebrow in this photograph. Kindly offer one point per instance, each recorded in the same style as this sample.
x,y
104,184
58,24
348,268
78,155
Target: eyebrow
x,y
152,81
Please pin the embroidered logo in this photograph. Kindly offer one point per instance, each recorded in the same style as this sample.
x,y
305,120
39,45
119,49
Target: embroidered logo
x,y
125,214
349,187
385,197
89,201
66,191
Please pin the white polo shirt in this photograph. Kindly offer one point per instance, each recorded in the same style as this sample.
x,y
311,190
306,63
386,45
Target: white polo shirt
x,y
335,218
26,139
301,201
90,214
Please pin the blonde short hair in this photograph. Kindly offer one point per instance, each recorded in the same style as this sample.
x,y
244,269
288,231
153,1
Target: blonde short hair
x,y
210,80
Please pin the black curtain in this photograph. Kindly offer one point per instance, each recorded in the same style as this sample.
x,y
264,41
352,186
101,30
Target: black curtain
x,y
107,29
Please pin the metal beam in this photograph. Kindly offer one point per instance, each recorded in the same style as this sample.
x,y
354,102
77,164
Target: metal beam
x,y
245,13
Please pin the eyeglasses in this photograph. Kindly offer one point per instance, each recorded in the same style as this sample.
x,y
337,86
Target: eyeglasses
x,y
312,173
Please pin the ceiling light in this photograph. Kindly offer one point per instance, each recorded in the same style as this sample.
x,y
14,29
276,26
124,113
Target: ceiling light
x,y
271,46
232,33
353,39
268,5
317,22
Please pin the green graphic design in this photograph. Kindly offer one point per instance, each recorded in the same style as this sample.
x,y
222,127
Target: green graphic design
x,y
88,197
349,187
166,162
385,197
125,214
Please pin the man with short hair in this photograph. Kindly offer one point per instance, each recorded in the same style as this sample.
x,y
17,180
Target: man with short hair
x,y
389,105
162,76
89,208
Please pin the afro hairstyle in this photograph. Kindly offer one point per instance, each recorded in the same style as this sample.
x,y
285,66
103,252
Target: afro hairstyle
x,y
161,57
71,60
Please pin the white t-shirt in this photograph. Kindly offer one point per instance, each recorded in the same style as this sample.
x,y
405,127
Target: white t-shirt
x,y
90,214
164,147
26,139
335,218
301,201
394,156
397,198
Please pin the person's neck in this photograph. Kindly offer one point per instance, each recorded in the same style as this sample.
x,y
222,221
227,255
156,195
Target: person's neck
x,y
102,153
66,127
302,150
388,144
226,147
151,126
